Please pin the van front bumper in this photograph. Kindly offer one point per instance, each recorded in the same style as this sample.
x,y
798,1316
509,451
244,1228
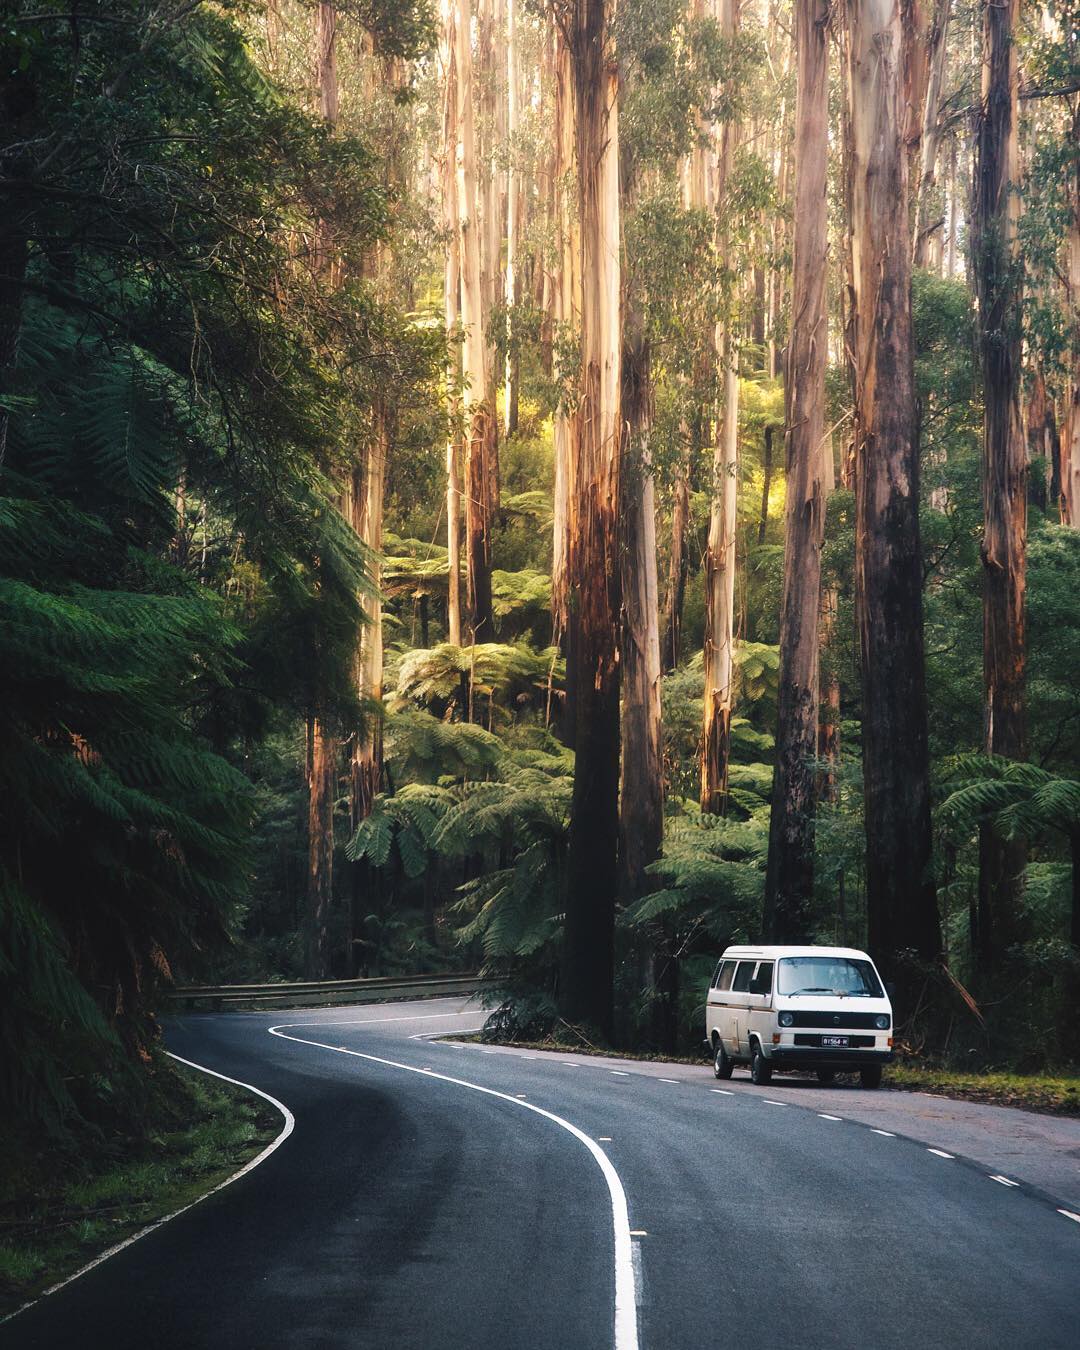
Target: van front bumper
x,y
820,1057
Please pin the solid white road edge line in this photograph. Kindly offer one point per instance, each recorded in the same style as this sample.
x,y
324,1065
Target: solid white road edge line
x,y
625,1328
1070,1215
287,1129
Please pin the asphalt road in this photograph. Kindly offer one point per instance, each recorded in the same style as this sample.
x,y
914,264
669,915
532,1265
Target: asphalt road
x,y
438,1195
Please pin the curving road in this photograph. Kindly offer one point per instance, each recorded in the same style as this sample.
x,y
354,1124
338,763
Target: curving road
x,y
440,1195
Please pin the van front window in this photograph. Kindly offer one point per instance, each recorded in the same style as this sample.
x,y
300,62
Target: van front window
x,y
828,975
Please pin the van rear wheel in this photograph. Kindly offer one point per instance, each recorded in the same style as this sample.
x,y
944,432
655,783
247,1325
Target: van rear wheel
x,y
870,1077
760,1068
722,1065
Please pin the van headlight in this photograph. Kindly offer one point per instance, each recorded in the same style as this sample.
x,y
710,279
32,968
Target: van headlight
x,y
786,1019
881,1022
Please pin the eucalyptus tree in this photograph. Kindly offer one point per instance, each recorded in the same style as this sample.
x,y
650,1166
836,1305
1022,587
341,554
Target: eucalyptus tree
x,y
901,897
789,885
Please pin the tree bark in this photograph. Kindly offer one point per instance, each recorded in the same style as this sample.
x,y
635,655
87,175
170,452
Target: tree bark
x,y
998,290
586,990
365,768
452,289
678,569
1070,444
937,41
511,292
766,462
902,911
789,880
720,550
481,428
1043,444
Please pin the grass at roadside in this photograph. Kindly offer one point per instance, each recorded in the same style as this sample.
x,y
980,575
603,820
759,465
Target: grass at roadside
x,y
1055,1094
59,1208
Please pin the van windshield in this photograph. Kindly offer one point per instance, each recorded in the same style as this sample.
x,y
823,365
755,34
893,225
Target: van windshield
x,y
828,975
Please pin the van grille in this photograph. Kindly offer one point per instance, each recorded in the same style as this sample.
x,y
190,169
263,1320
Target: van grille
x,y
834,1020
854,1042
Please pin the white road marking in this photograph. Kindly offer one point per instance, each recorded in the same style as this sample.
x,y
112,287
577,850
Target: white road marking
x,y
638,1232
570,1064
1003,1180
618,1073
769,1102
723,1092
824,1116
668,1080
940,1153
603,1138
888,1134
286,1130
1070,1215
625,1319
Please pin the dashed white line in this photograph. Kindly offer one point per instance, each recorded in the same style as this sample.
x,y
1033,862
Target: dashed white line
x,y
618,1073
769,1102
625,1310
668,1080
570,1063
887,1134
940,1153
824,1116
1070,1215
1003,1180
723,1092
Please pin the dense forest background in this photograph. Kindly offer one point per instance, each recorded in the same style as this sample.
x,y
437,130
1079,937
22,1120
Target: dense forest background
x,y
556,488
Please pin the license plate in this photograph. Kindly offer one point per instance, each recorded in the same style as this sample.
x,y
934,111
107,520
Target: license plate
x,y
833,1041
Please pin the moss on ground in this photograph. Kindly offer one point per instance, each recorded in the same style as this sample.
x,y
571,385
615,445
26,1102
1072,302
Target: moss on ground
x,y
64,1201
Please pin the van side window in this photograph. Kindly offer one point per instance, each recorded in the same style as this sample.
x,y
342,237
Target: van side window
x,y
716,975
743,976
726,974
763,978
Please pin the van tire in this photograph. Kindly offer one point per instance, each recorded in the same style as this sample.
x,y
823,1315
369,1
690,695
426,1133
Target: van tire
x,y
722,1065
826,1075
760,1068
870,1077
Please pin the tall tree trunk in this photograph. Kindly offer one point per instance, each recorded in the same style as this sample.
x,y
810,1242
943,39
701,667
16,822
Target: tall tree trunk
x,y
365,770
789,879
767,464
452,292
678,569
1042,442
1070,442
641,798
512,204
481,427
720,550
323,746
998,289
586,991
566,309
902,911
938,45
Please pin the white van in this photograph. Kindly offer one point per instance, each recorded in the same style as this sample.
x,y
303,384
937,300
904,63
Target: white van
x,y
822,1008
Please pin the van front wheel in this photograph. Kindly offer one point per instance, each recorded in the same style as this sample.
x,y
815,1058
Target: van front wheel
x,y
722,1065
870,1077
760,1068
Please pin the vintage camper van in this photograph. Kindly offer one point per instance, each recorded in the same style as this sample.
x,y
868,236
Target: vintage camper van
x,y
818,1008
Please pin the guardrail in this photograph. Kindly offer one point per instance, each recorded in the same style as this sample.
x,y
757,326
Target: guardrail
x,y
324,993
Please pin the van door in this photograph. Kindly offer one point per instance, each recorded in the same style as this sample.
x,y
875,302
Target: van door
x,y
760,1017
719,1011
740,1001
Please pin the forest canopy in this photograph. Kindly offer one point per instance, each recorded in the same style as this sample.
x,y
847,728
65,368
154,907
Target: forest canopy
x,y
549,488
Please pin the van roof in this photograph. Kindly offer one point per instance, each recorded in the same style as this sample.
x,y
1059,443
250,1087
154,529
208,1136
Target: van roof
x,y
765,953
